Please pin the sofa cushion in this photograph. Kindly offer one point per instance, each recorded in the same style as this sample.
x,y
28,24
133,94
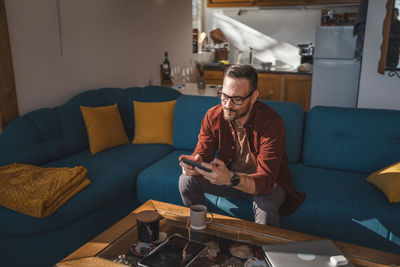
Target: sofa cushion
x,y
187,124
104,97
154,122
34,138
160,180
189,112
341,205
146,94
362,140
293,117
48,248
111,172
104,127
49,134
124,98
375,222
388,181
165,174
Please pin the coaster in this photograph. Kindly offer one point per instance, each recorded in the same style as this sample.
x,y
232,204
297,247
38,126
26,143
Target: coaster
x,y
142,249
198,228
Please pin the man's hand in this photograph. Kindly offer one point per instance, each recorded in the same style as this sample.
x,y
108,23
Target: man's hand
x,y
187,169
220,174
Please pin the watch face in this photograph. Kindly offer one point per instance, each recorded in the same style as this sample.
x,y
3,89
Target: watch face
x,y
235,179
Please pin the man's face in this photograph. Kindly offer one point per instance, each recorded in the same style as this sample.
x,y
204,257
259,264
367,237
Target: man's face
x,y
236,87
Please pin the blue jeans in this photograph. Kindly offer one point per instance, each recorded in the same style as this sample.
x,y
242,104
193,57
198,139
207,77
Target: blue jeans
x,y
265,207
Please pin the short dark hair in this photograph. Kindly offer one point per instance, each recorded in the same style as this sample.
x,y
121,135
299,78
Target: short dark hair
x,y
243,71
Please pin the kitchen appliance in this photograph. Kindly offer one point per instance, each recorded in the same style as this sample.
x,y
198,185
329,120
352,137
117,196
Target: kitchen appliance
x,y
306,52
336,71
221,52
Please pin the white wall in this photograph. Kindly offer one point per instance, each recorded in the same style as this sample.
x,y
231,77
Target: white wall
x,y
105,43
376,90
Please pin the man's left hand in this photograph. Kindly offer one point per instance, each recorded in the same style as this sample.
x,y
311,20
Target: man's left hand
x,y
220,174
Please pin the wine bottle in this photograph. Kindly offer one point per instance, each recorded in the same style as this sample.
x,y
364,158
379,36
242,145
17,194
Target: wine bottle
x,y
166,68
195,41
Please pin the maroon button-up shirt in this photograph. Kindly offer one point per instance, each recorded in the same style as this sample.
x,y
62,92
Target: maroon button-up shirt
x,y
266,141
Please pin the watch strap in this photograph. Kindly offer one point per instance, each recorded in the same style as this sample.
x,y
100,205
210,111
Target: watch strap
x,y
235,179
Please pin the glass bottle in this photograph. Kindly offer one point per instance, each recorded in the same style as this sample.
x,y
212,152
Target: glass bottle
x,y
166,67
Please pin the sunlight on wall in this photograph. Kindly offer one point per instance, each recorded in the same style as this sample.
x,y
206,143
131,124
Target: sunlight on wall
x,y
266,49
378,228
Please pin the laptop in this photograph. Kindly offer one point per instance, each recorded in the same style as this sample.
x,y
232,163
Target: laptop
x,y
298,254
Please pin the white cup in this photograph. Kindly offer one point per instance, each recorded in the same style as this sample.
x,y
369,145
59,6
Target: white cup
x,y
198,217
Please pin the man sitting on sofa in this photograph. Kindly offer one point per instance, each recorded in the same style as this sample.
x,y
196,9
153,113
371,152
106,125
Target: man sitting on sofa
x,y
252,162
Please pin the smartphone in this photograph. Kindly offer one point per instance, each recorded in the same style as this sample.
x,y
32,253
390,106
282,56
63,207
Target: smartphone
x,y
196,164
175,251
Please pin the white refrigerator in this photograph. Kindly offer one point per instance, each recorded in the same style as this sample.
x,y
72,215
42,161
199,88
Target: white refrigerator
x,y
336,71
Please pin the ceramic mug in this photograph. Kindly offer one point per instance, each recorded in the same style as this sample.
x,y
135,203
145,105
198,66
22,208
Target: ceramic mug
x,y
148,226
198,217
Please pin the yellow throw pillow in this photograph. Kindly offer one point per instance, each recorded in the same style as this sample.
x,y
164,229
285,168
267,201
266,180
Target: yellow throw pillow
x,y
388,181
104,127
154,122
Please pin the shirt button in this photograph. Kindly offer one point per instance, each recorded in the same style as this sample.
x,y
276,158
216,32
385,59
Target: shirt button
x,y
230,159
233,147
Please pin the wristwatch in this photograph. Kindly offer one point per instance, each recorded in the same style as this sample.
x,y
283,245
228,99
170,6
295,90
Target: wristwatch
x,y
235,179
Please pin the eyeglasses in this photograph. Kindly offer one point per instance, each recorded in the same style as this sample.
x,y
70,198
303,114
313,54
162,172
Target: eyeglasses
x,y
236,100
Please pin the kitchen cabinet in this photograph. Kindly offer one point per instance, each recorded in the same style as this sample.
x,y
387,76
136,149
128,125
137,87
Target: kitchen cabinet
x,y
324,2
214,76
269,86
229,3
239,3
281,3
286,87
296,88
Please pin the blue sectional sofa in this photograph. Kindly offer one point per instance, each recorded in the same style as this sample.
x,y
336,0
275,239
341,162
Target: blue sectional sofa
x,y
331,151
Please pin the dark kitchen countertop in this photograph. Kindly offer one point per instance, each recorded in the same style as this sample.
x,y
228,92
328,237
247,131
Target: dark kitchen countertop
x,y
273,70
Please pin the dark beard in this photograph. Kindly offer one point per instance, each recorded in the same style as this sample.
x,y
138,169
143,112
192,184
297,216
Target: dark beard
x,y
236,115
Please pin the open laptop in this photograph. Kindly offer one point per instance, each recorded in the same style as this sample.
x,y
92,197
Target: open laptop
x,y
308,254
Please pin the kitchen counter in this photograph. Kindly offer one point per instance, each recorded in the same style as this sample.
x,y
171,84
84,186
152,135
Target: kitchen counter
x,y
273,70
190,88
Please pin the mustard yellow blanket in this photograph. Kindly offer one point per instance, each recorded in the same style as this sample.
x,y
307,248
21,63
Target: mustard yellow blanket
x,y
89,262
38,191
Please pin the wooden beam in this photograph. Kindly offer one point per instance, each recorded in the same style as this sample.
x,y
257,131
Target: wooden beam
x,y
8,94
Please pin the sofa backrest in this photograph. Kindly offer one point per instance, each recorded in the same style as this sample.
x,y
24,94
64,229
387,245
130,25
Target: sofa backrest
x,y
51,133
293,116
361,140
190,110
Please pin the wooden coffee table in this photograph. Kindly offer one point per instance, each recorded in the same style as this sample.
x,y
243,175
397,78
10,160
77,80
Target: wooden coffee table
x,y
123,234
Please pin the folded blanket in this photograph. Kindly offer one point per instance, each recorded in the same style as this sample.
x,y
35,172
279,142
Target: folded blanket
x,y
38,191
89,262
